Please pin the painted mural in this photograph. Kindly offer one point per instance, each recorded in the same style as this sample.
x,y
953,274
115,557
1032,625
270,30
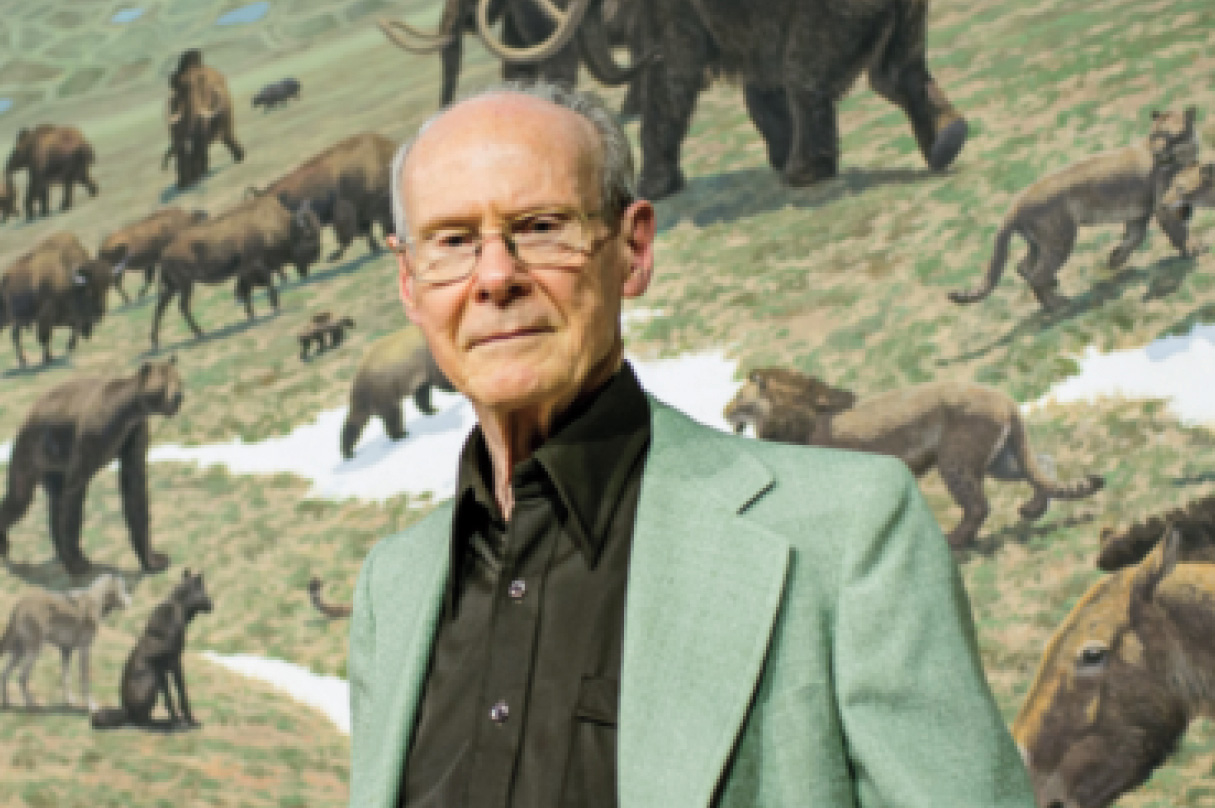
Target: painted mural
x,y
980,246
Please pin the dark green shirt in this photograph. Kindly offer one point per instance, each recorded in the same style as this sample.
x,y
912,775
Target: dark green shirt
x,y
519,705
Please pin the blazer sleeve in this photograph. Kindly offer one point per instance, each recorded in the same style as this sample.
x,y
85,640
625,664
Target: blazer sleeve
x,y
360,662
921,727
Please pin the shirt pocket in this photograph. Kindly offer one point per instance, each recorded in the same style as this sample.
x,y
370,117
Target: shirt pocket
x,y
590,769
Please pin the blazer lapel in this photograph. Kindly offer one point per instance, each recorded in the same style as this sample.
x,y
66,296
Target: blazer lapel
x,y
403,639
704,589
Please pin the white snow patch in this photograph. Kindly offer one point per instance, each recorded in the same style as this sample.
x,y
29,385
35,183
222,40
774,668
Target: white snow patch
x,y
425,461
329,694
6,451
1179,369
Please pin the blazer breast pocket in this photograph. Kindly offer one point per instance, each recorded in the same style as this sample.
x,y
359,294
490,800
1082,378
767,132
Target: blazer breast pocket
x,y
590,769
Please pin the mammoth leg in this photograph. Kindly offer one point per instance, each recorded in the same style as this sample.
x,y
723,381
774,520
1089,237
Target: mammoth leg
x,y
394,420
31,198
451,56
22,480
1133,234
899,73
671,89
769,111
68,184
133,484
305,343
88,182
345,226
228,135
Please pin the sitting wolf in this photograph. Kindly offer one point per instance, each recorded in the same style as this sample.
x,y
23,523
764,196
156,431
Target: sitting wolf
x,y
1124,185
67,619
155,657
966,430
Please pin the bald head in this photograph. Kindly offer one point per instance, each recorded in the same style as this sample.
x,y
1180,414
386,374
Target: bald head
x,y
567,124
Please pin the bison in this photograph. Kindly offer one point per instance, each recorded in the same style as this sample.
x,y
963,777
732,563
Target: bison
x,y
199,113
346,185
280,92
1123,676
138,246
48,154
54,284
248,242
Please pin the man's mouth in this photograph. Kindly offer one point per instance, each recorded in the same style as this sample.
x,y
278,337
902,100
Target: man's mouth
x,y
503,336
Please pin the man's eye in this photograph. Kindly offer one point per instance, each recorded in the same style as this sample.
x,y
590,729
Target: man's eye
x,y
541,224
451,239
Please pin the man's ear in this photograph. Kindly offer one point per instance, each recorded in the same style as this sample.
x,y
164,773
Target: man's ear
x,y
405,279
640,227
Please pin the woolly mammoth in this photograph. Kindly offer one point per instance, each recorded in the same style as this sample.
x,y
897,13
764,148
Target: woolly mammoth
x,y
199,113
795,59
526,41
50,154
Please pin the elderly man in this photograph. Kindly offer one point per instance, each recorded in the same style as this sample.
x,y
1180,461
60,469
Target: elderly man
x,y
620,606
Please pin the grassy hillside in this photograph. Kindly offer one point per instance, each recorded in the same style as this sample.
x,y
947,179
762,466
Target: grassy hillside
x,y
847,279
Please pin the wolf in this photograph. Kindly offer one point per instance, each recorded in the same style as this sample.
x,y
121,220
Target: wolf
x,y
156,655
67,619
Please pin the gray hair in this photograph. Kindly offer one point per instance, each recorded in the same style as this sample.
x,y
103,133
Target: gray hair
x,y
618,181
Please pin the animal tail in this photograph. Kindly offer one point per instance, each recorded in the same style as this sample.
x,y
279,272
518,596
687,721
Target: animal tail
x,y
108,718
1044,485
329,610
995,268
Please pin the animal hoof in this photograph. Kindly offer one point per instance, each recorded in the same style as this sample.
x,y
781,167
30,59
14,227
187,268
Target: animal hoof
x,y
659,185
77,566
156,562
800,176
948,144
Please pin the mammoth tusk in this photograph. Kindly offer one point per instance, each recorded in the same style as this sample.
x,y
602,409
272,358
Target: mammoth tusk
x,y
596,50
79,279
567,25
121,265
551,11
433,43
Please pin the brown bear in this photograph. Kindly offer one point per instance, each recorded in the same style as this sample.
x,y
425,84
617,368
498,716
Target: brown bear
x,y
396,366
72,432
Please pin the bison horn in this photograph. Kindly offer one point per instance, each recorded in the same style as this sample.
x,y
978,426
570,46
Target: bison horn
x,y
397,32
79,279
567,26
121,265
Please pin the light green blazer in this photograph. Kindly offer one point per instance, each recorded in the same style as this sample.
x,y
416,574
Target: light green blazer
x,y
796,635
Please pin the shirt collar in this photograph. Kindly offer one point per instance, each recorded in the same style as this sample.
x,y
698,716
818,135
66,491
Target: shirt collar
x,y
588,459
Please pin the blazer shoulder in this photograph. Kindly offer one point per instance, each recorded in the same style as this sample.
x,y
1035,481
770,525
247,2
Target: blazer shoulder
x,y
428,535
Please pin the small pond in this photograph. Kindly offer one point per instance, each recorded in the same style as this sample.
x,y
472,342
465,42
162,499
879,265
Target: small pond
x,y
127,15
250,13
5,105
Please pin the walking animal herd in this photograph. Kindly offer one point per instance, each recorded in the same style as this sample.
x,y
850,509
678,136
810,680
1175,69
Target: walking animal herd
x,y
1139,630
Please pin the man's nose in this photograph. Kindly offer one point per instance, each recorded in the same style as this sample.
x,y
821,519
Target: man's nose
x,y
499,275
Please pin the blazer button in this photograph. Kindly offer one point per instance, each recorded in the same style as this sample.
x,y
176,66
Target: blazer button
x,y
499,713
518,588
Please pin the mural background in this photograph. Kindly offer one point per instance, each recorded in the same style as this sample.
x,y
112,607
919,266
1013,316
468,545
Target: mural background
x,y
846,280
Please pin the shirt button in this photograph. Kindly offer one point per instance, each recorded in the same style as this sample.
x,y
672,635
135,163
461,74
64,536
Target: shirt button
x,y
518,588
499,713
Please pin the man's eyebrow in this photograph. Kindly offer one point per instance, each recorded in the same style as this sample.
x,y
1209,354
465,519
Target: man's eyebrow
x,y
474,219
